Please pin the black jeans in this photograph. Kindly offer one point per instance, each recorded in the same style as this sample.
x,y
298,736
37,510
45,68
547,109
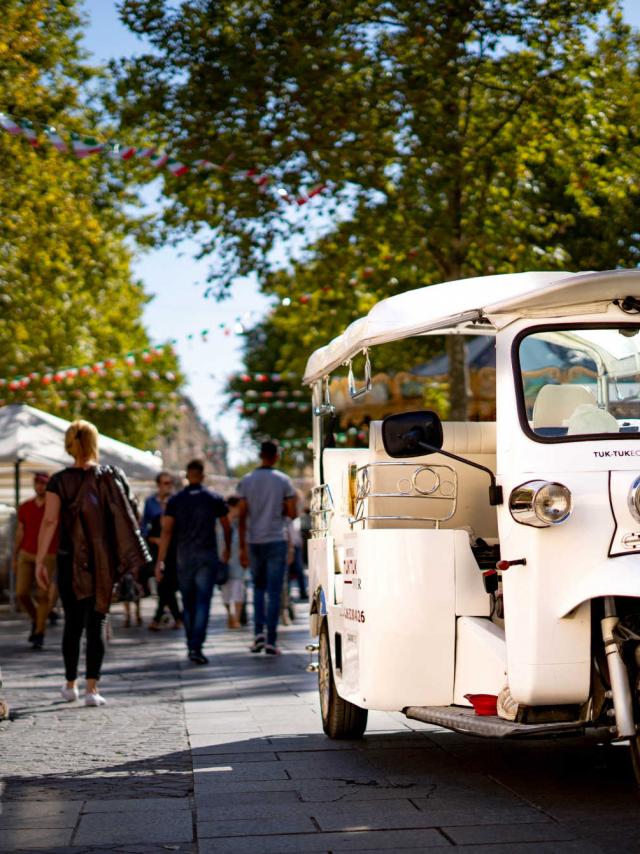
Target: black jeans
x,y
167,589
80,616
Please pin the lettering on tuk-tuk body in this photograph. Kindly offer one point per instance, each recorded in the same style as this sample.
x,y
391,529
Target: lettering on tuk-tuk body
x,y
626,452
353,614
350,566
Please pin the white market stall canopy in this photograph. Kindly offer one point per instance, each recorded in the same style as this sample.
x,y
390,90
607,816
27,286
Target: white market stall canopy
x,y
35,439
450,305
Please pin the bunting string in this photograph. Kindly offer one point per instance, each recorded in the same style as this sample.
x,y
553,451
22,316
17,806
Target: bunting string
x,y
21,381
263,408
264,377
82,146
268,395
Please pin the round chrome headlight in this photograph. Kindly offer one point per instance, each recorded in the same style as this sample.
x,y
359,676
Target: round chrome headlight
x,y
540,503
634,499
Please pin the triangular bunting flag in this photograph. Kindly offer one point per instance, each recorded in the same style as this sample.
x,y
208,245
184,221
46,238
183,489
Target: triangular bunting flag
x,y
85,146
176,168
28,131
56,140
158,160
204,164
8,124
123,152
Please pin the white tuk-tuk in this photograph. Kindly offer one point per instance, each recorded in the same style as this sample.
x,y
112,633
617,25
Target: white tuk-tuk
x,y
484,576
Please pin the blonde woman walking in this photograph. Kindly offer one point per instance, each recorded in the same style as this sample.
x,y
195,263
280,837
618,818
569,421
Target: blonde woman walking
x,y
99,537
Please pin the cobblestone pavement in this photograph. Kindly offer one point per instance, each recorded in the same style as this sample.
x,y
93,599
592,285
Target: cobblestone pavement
x,y
230,758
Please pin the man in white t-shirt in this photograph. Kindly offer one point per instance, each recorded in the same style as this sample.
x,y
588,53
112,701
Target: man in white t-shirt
x,y
267,498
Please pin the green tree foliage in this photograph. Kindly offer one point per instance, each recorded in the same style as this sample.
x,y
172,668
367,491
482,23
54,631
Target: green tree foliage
x,y
462,137
66,290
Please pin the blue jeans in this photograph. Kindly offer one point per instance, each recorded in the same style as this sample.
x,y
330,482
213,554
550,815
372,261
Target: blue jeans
x,y
196,578
268,568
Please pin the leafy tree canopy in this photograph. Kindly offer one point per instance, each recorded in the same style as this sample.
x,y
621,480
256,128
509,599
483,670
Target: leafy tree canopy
x,y
445,113
66,290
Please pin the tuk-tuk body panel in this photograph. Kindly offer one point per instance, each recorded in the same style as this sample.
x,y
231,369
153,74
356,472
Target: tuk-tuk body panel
x,y
397,618
481,659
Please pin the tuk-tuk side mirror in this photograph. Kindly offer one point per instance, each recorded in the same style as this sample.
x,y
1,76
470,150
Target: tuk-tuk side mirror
x,y
412,434
406,434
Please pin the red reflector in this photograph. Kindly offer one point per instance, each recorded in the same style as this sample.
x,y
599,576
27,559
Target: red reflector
x,y
484,704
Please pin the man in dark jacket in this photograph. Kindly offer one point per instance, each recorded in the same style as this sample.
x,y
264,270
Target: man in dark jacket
x,y
191,516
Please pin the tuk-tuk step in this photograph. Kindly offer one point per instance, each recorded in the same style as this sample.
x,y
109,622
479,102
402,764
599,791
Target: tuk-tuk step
x,y
466,721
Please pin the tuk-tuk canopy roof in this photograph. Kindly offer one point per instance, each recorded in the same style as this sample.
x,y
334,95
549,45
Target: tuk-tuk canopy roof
x,y
467,303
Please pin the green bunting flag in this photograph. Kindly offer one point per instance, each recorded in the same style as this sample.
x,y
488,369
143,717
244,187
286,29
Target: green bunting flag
x,y
85,146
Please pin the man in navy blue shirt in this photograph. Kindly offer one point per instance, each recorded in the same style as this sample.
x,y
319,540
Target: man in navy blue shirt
x,y
190,517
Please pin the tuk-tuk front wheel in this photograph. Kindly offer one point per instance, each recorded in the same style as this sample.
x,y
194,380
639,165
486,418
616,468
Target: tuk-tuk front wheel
x,y
340,718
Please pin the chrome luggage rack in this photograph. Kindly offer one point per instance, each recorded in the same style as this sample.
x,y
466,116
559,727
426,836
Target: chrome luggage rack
x,y
321,509
426,482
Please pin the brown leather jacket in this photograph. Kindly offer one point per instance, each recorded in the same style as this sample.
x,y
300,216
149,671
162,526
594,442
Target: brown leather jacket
x,y
106,538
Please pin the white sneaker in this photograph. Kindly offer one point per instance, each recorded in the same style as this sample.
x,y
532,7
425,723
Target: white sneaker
x,y
94,700
69,694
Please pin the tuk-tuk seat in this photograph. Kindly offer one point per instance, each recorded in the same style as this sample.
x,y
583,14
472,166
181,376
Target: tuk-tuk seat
x,y
474,440
555,404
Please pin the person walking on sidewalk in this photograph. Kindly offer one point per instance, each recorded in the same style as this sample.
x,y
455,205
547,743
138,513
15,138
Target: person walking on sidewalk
x,y
190,517
154,509
267,498
233,590
99,535
30,516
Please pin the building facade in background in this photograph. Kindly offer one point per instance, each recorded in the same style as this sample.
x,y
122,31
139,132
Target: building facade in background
x,y
191,438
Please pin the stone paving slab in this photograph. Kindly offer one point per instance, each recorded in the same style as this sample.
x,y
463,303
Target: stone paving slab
x,y
35,837
505,832
290,824
48,814
135,827
393,840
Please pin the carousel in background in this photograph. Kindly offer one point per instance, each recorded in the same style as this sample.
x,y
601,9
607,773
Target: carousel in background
x,y
426,386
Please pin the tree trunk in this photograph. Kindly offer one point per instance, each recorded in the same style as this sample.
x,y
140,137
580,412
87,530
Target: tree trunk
x,y
459,390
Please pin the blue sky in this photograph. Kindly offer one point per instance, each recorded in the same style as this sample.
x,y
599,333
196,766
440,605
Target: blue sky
x,y
176,280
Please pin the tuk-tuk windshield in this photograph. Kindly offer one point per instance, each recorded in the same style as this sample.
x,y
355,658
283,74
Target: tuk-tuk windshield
x,y
580,380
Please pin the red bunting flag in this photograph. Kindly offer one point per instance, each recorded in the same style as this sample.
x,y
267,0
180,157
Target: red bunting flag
x,y
123,152
85,146
28,131
176,168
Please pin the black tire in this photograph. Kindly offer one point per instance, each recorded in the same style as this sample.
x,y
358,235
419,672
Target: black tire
x,y
340,718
